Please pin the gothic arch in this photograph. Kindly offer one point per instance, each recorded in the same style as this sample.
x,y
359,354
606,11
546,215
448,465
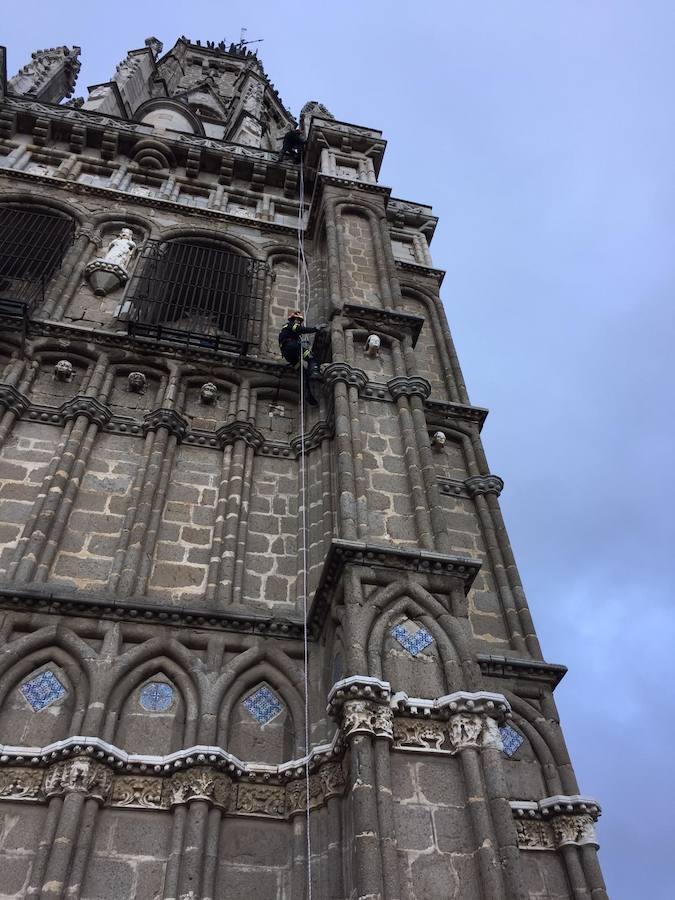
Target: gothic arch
x,y
27,199
226,241
461,670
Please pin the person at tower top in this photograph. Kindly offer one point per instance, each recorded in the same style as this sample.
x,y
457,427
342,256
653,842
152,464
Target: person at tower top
x,y
293,146
290,344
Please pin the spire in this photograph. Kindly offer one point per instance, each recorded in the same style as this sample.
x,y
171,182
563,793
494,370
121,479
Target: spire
x,y
49,76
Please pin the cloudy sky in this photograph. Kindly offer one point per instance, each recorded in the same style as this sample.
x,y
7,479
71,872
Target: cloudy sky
x,y
542,133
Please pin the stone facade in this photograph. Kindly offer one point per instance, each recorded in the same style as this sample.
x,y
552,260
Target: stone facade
x,y
152,626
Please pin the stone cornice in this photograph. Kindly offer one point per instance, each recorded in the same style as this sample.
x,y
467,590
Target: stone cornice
x,y
82,405
174,423
529,669
444,412
418,269
125,197
342,552
387,321
13,400
409,386
41,600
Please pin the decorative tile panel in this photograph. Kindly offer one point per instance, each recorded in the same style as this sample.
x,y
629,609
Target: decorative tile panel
x,y
511,739
156,696
264,705
43,690
412,637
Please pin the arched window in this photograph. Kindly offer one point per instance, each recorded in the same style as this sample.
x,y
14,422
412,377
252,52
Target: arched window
x,y
33,243
194,291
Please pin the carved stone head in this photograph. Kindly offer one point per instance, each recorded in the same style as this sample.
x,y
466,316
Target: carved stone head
x,y
209,393
373,344
63,370
127,234
137,382
438,440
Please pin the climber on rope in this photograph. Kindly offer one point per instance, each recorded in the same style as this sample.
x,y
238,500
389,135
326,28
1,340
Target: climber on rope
x,y
290,344
293,146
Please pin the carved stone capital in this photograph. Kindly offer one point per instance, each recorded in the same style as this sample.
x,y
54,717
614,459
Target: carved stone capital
x,y
474,730
200,783
329,781
555,822
484,484
165,418
12,400
343,372
240,431
90,407
366,717
79,775
409,386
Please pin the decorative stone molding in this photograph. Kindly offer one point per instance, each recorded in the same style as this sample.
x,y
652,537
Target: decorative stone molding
x,y
342,553
556,822
106,773
90,407
166,418
236,431
320,432
510,667
484,484
79,775
357,687
442,413
12,400
343,372
385,321
105,277
469,702
452,487
409,386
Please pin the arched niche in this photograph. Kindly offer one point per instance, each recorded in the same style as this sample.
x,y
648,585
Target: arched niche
x,y
39,707
411,660
169,115
261,726
152,718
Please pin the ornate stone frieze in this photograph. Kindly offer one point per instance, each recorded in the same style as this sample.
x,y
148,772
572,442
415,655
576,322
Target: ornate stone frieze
x,y
240,431
138,791
409,386
419,734
343,372
166,418
556,822
484,484
12,400
367,717
90,407
261,800
20,784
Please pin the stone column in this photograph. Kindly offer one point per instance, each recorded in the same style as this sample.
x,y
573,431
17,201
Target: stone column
x,y
63,286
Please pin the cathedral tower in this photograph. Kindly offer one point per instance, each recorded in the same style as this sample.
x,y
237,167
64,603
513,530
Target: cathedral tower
x,y
166,498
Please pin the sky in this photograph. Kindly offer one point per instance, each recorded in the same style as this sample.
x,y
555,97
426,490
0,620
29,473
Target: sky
x,y
542,133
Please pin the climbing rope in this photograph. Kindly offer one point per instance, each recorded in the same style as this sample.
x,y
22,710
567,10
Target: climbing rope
x,y
302,296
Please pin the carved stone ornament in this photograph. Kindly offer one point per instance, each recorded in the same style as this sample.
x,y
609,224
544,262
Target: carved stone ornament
x,y
409,386
63,370
166,418
534,835
20,784
137,791
466,730
208,393
574,830
261,800
137,382
438,440
365,717
79,775
90,407
12,400
419,734
228,434
372,346
199,784
345,373
111,272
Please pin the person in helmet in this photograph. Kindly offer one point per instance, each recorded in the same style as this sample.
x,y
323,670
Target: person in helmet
x,y
290,344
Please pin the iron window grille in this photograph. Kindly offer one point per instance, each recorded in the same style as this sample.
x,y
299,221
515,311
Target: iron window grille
x,y
195,292
32,247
